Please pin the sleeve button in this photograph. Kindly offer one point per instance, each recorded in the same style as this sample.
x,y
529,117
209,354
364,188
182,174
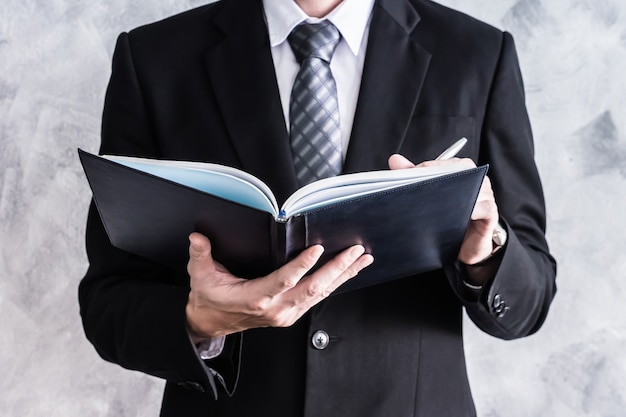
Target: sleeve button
x,y
499,306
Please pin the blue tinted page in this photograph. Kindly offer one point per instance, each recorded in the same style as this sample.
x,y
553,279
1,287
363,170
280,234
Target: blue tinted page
x,y
219,184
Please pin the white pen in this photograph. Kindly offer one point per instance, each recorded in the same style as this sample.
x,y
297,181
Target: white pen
x,y
452,150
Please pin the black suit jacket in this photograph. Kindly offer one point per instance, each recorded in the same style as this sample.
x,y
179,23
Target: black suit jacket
x,y
201,86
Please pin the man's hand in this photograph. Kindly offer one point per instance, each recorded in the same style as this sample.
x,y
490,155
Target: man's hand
x,y
477,244
221,303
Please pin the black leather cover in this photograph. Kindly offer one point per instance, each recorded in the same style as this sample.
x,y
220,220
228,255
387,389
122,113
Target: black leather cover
x,y
409,230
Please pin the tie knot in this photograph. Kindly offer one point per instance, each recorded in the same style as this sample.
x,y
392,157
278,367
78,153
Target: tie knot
x,y
314,40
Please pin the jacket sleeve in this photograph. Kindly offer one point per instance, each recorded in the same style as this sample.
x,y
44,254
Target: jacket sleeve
x,y
133,310
516,301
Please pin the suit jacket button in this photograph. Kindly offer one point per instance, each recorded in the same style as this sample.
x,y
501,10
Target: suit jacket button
x,y
320,339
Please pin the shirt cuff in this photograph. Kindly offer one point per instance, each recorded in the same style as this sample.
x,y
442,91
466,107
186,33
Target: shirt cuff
x,y
472,287
211,348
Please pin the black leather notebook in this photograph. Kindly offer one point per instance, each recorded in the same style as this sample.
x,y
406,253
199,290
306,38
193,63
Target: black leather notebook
x,y
409,227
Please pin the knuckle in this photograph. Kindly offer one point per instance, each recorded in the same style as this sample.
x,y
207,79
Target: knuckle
x,y
290,303
288,275
284,282
343,264
259,306
314,289
352,271
303,266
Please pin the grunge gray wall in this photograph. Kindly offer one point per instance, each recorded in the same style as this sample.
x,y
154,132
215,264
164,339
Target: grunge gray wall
x,y
54,65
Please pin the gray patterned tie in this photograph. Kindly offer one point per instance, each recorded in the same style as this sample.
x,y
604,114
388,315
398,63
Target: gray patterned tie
x,y
313,110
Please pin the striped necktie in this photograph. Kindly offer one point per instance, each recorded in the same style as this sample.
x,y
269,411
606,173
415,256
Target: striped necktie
x,y
313,110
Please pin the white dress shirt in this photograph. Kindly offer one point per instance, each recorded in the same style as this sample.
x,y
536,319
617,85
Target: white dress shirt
x,y
352,19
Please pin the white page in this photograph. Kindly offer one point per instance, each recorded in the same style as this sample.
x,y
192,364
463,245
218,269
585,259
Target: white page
x,y
344,187
241,187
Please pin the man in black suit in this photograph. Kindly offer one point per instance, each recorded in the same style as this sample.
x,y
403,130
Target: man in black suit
x,y
211,84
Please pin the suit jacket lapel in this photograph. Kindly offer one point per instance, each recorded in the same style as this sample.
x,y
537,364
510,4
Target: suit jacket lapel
x,y
394,69
242,73
244,80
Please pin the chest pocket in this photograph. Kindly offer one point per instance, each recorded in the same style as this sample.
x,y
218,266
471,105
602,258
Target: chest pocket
x,y
428,136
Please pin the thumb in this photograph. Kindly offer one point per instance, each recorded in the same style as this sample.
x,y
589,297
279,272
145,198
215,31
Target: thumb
x,y
199,252
397,161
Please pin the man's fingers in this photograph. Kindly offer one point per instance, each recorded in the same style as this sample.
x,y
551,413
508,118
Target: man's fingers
x,y
291,273
486,211
465,162
277,300
362,262
485,207
330,276
397,161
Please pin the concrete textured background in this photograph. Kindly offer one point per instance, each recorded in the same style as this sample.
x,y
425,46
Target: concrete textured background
x,y
54,65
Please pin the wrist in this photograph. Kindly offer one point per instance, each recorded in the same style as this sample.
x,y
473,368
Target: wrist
x,y
192,329
196,324
480,272
490,249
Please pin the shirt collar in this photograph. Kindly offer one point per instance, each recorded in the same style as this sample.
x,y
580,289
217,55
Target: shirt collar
x,y
350,17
